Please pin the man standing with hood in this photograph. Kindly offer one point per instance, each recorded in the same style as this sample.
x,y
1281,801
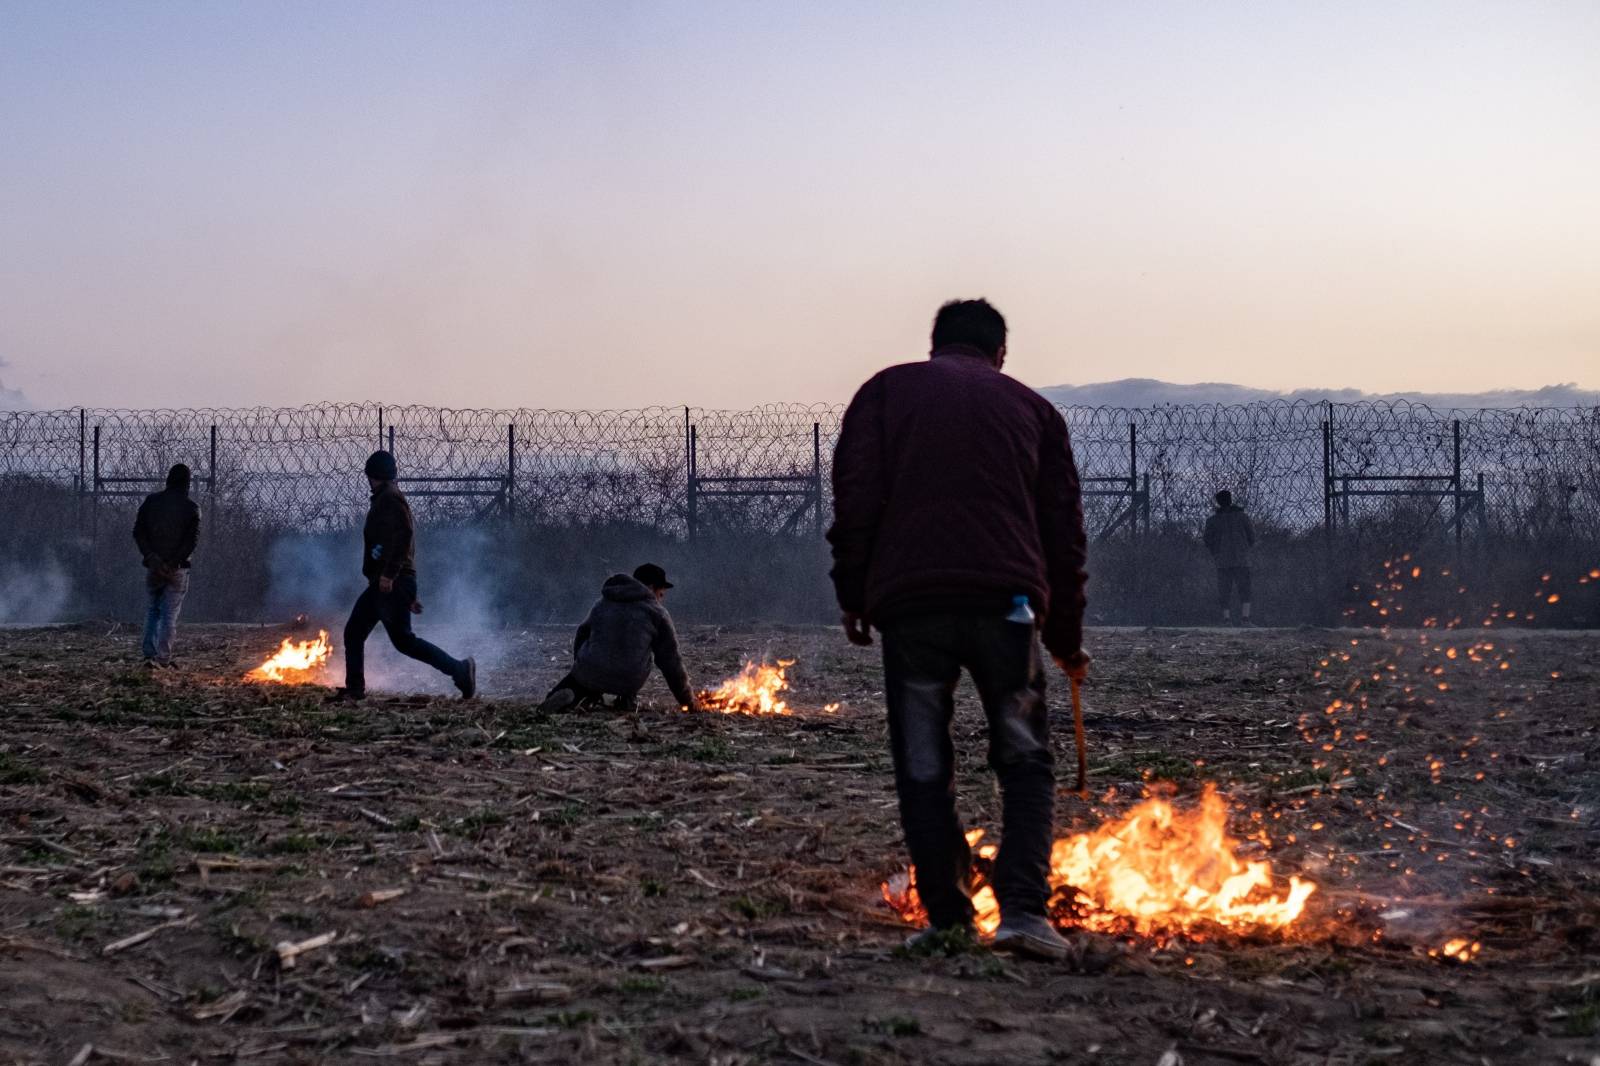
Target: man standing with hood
x,y
958,534
388,562
1229,537
167,530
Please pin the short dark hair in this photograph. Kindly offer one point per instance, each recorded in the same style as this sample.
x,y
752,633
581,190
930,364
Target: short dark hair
x,y
973,322
1224,498
178,477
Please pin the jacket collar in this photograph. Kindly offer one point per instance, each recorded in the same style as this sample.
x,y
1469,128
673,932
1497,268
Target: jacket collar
x,y
967,350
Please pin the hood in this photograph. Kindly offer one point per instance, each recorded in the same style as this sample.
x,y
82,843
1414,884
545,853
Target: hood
x,y
620,588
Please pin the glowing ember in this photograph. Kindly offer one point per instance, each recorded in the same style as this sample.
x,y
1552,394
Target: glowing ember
x,y
754,690
1156,872
1460,949
294,661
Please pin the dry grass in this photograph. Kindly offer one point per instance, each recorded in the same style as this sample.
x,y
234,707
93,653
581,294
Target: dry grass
x,y
703,888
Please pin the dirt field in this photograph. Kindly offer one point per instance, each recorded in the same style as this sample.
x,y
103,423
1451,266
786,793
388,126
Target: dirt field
x,y
702,888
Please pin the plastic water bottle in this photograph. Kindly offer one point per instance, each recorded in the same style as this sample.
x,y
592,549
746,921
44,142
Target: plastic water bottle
x,y
1021,613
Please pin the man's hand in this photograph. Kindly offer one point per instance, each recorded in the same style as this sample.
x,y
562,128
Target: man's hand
x,y
386,585
856,629
416,606
1076,665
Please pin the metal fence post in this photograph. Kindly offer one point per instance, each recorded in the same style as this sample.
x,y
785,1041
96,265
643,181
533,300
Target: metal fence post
x,y
1133,481
816,477
380,427
511,471
391,439
1455,482
693,482
94,515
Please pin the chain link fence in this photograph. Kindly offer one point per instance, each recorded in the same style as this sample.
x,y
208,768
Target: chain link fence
x,y
1531,473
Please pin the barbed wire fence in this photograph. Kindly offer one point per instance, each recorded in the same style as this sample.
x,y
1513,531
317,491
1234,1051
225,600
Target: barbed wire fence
x,y
1298,466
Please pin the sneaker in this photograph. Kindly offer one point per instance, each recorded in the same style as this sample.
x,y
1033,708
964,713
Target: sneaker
x,y
345,695
947,941
558,701
468,681
1031,935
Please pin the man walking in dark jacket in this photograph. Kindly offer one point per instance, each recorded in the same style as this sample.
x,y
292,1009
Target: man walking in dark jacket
x,y
615,645
1229,537
167,530
388,562
958,522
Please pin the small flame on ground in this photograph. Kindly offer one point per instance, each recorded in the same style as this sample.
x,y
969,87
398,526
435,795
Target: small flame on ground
x,y
1157,872
294,661
1460,949
753,690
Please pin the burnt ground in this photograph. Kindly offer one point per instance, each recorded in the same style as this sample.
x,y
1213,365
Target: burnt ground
x,y
700,888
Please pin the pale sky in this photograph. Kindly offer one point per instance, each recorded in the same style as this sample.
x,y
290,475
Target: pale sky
x,y
616,204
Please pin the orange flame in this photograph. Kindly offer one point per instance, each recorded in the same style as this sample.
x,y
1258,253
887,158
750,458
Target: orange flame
x,y
1459,949
754,690
294,661
1156,872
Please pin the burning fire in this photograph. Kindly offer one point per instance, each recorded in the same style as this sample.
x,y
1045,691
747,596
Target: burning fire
x,y
754,690
1156,872
294,661
1460,949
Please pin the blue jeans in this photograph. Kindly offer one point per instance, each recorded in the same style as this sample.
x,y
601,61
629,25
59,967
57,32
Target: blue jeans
x,y
166,594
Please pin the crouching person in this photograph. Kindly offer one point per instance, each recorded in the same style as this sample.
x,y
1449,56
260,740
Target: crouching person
x,y
615,645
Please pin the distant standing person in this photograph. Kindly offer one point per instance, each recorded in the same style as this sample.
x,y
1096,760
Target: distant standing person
x,y
614,647
388,562
958,534
167,530
1229,538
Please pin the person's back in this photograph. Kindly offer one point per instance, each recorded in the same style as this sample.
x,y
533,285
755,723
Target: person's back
x,y
1229,536
958,491
956,506
168,527
625,632
167,531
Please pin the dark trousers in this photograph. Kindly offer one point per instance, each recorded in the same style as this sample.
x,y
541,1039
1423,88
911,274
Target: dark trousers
x,y
1230,578
922,661
393,609
581,691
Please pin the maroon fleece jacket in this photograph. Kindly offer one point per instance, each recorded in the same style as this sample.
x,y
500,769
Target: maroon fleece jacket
x,y
955,489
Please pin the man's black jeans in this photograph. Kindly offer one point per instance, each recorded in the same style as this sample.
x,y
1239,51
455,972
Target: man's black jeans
x,y
922,661
393,609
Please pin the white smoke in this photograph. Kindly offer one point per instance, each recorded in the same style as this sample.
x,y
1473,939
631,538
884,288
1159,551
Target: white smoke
x,y
34,593
458,579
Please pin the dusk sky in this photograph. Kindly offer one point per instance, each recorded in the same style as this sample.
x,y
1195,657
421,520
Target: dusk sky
x,y
593,204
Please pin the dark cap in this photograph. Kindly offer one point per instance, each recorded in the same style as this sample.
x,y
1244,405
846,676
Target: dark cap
x,y
380,464
652,576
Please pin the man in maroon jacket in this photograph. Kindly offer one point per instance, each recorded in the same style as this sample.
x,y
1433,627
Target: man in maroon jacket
x,y
958,522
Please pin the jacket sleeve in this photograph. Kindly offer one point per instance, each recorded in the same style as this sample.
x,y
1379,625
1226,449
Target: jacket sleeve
x,y
1065,544
396,535
665,649
191,533
1210,535
585,628
860,485
141,530
1249,532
